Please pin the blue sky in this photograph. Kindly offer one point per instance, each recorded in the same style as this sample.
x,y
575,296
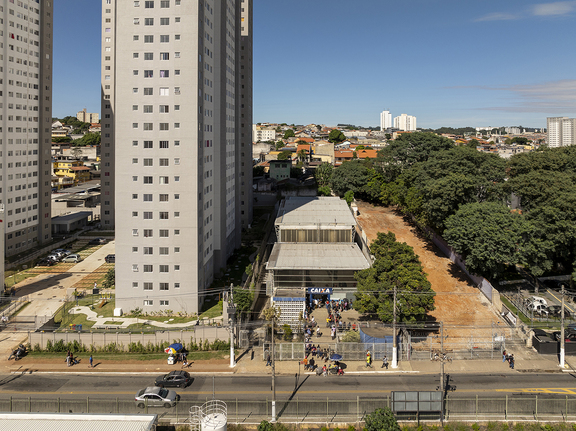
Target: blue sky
x,y
448,62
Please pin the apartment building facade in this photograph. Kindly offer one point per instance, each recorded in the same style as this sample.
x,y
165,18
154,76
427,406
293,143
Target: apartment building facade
x,y
25,123
405,122
385,120
171,136
87,117
561,131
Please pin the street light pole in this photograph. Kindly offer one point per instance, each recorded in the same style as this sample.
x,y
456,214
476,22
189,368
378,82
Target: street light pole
x,y
273,375
562,331
394,345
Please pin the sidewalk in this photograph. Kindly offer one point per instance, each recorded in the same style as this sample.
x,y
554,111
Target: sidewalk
x,y
256,366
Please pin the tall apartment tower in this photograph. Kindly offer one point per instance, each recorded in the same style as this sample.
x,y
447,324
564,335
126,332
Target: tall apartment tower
x,y
405,122
172,150
561,131
25,123
385,120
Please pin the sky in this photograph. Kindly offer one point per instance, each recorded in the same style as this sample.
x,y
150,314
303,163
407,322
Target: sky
x,y
453,63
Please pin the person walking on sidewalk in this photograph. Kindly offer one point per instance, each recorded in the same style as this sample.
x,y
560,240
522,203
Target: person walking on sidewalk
x,y
368,359
504,356
384,362
511,361
91,360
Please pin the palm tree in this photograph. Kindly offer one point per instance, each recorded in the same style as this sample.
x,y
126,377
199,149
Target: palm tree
x,y
302,155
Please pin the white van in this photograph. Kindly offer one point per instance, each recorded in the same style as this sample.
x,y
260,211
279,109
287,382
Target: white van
x,y
538,308
536,300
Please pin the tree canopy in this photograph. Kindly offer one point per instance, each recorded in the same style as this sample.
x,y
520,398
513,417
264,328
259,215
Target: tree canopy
x,y
395,265
289,134
336,136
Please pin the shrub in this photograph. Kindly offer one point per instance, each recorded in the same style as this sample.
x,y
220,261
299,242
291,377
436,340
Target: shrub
x,y
287,332
381,419
265,426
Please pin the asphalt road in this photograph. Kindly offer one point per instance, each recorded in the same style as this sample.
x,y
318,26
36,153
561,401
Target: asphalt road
x,y
52,386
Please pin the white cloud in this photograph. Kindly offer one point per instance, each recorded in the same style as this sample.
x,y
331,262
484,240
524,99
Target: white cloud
x,y
498,16
557,8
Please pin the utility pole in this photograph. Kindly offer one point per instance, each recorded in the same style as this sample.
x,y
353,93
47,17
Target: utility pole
x,y
273,373
394,346
231,313
562,331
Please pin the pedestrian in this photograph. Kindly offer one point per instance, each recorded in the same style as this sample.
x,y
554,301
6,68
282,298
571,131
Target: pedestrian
x,y
68,360
511,361
324,371
504,356
384,362
91,360
317,331
368,359
268,360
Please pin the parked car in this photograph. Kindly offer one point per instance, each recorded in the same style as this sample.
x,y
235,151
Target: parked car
x,y
62,251
540,332
556,311
74,258
54,257
155,396
536,300
111,258
177,378
45,262
97,241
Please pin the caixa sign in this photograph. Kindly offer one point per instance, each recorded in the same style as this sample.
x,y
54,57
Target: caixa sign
x,y
320,290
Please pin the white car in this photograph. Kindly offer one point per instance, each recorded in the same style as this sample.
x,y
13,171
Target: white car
x,y
155,396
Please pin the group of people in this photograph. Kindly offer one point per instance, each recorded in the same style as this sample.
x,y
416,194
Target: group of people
x,y
72,360
313,350
508,358
334,368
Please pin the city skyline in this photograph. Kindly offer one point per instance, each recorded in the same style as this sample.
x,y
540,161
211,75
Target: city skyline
x,y
461,65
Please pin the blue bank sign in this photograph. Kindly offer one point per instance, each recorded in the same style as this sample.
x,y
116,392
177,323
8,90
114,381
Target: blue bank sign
x,y
320,290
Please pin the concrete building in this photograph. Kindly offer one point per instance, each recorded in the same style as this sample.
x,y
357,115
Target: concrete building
x,y
172,145
385,120
25,122
280,169
87,117
561,131
316,254
405,122
263,134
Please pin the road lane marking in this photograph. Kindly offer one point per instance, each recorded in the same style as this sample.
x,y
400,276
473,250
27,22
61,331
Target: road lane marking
x,y
564,391
560,301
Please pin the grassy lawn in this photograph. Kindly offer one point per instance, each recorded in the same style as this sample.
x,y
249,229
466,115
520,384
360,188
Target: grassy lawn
x,y
219,354
514,310
65,318
212,312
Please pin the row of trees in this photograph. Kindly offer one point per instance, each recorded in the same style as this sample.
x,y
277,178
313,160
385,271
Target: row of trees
x,y
496,213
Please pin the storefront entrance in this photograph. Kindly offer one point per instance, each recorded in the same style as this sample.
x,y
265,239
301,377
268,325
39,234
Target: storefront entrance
x,y
322,294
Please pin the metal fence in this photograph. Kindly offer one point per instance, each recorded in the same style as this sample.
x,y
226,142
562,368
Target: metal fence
x,y
349,351
321,411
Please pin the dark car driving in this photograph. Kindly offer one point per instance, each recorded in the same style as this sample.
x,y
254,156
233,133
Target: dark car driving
x,y
111,258
174,379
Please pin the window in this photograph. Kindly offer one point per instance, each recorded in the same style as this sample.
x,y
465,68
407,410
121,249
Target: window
x,y
163,198
147,233
176,143
147,144
148,21
147,198
164,38
148,268
135,55
148,285
149,4
148,74
135,72
164,109
176,125
134,284
164,56
164,302
148,180
137,3
135,37
148,38
134,213
177,19
177,161
176,249
176,285
148,250
148,109
136,21
163,126
148,302
147,216
164,73
134,125
177,214
177,72
147,55
148,162
163,215
165,3
135,108
134,90
148,126
164,21
135,196
163,233
176,267
177,3
177,37
134,232
177,54
176,231
163,144
148,91
164,286
163,162
164,268
134,267
163,250
164,91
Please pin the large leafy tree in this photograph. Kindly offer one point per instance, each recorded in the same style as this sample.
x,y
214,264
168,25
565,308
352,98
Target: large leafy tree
x,y
323,174
336,136
289,134
488,236
353,175
395,266
243,301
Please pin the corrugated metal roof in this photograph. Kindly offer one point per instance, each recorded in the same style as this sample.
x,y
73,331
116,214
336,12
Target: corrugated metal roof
x,y
345,256
321,210
75,422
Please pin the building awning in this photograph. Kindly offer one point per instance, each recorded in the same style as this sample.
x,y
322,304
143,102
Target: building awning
x,y
317,256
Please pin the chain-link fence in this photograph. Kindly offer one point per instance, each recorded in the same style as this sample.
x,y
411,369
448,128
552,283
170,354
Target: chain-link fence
x,y
529,407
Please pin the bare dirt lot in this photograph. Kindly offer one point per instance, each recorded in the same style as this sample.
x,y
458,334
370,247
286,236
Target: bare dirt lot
x,y
465,311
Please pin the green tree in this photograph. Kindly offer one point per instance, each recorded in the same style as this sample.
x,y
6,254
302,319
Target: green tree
x,y
258,171
302,155
110,279
379,420
279,144
323,174
89,139
289,134
336,136
243,299
285,155
349,197
395,265
350,176
61,139
388,136
472,143
324,191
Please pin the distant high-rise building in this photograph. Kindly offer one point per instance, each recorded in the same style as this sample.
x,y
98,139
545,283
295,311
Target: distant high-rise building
x,y
176,144
405,122
385,120
87,117
561,131
25,123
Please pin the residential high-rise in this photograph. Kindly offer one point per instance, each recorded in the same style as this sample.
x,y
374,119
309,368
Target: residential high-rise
x,y
385,120
176,80
405,122
561,131
25,123
87,117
